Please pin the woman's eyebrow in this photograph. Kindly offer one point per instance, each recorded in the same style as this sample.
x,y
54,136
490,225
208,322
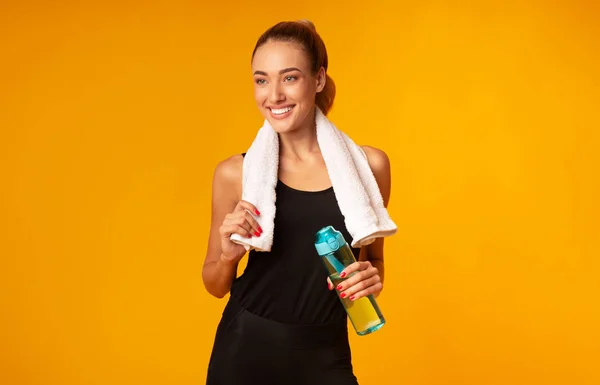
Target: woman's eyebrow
x,y
290,69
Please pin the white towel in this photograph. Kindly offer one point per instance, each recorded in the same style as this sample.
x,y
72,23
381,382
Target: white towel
x,y
354,185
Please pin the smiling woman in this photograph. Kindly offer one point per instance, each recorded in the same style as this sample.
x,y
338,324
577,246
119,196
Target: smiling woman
x,y
312,56
282,314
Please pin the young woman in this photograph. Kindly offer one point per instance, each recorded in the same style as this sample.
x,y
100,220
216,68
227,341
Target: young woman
x,y
283,324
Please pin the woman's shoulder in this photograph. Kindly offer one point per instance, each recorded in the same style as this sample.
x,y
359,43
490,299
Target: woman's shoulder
x,y
380,165
229,171
377,158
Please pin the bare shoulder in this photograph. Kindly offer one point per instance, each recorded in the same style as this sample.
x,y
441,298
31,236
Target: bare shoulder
x,y
228,173
230,168
380,165
378,159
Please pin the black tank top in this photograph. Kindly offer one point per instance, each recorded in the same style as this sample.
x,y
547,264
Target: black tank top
x,y
288,284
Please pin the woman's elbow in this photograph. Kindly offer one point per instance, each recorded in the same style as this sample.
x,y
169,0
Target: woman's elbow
x,y
213,288
215,291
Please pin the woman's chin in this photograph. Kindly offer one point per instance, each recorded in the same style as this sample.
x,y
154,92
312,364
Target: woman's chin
x,y
281,126
285,125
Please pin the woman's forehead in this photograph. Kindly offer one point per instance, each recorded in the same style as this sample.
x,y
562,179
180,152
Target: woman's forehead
x,y
275,56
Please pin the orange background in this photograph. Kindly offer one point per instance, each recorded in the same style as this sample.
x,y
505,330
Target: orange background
x,y
114,114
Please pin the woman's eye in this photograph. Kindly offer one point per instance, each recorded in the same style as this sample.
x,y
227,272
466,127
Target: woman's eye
x,y
290,78
260,81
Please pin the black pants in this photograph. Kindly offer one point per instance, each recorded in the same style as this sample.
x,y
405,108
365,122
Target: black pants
x,y
251,350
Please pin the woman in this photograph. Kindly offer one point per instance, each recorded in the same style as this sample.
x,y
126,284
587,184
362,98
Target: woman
x,y
282,325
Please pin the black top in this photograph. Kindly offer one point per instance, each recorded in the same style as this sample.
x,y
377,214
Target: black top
x,y
288,284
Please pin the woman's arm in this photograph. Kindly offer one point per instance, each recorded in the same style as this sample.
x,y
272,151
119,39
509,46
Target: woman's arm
x,y
218,271
380,165
370,266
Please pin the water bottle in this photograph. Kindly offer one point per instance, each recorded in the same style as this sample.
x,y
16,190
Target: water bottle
x,y
336,254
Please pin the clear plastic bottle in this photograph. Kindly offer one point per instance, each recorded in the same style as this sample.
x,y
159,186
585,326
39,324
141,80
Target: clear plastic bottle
x,y
336,254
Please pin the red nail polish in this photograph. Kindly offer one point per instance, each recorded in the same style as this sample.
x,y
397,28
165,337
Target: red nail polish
x,y
257,233
343,275
339,287
256,212
351,298
260,230
343,295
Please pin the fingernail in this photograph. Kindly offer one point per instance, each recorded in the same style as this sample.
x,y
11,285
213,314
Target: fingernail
x,y
339,287
343,275
330,286
257,233
343,295
256,212
352,298
260,230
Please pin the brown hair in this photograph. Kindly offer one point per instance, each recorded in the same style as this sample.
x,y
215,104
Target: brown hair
x,y
304,33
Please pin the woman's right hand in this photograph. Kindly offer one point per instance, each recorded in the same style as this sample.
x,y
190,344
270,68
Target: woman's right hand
x,y
241,222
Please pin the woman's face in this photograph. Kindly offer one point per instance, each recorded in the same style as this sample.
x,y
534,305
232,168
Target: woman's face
x,y
284,85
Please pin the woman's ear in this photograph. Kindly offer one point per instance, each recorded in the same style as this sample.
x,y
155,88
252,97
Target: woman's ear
x,y
321,79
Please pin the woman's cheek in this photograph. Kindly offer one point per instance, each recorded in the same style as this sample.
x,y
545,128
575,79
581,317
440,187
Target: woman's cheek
x,y
260,95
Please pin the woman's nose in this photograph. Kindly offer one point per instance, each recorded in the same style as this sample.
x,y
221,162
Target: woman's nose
x,y
276,95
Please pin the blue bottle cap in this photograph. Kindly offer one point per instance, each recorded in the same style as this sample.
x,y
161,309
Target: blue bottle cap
x,y
328,240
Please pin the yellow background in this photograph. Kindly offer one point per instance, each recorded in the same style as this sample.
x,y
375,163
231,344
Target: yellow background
x,y
114,114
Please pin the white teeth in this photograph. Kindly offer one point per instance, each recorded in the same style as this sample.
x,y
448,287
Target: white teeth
x,y
279,111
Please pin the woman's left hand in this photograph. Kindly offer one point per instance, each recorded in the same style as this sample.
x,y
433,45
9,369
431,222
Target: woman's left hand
x,y
365,281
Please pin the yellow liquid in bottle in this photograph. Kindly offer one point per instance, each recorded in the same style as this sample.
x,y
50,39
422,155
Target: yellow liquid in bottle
x,y
363,313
